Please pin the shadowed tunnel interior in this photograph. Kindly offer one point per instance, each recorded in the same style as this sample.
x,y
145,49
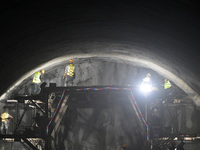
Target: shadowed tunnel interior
x,y
112,44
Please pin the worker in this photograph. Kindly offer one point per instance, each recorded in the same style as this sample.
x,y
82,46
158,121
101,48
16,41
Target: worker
x,y
124,146
69,74
167,89
146,86
37,81
5,118
167,84
147,79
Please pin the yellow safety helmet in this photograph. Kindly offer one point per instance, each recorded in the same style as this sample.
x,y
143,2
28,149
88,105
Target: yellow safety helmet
x,y
148,75
43,71
71,60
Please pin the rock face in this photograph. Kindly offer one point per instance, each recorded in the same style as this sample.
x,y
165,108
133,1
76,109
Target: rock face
x,y
94,72
105,120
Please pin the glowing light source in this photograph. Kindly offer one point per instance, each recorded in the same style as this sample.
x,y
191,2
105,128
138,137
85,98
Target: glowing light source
x,y
146,88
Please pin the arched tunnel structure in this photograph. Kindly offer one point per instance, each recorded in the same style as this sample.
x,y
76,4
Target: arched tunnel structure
x,y
112,44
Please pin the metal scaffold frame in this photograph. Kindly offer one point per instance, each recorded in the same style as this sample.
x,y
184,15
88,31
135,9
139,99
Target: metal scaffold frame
x,y
62,106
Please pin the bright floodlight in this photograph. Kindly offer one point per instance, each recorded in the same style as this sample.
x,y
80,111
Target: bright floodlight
x,y
146,88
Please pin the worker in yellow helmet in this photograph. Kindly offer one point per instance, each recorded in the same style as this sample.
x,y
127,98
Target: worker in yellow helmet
x,y
37,81
167,84
167,91
5,118
147,78
69,74
146,86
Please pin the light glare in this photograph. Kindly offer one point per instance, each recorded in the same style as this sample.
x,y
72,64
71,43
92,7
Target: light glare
x,y
146,88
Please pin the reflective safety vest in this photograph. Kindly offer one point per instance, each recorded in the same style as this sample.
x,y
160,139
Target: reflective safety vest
x,y
36,78
167,84
70,70
147,80
4,116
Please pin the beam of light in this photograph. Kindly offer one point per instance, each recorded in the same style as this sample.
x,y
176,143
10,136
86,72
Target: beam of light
x,y
146,88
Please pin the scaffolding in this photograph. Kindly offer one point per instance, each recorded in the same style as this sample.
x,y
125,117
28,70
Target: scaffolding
x,y
52,104
39,137
173,115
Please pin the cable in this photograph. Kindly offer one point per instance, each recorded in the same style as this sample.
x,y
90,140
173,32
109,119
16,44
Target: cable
x,y
52,117
141,115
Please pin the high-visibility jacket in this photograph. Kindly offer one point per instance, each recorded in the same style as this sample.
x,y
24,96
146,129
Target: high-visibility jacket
x,y
147,80
4,116
69,70
167,84
36,78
